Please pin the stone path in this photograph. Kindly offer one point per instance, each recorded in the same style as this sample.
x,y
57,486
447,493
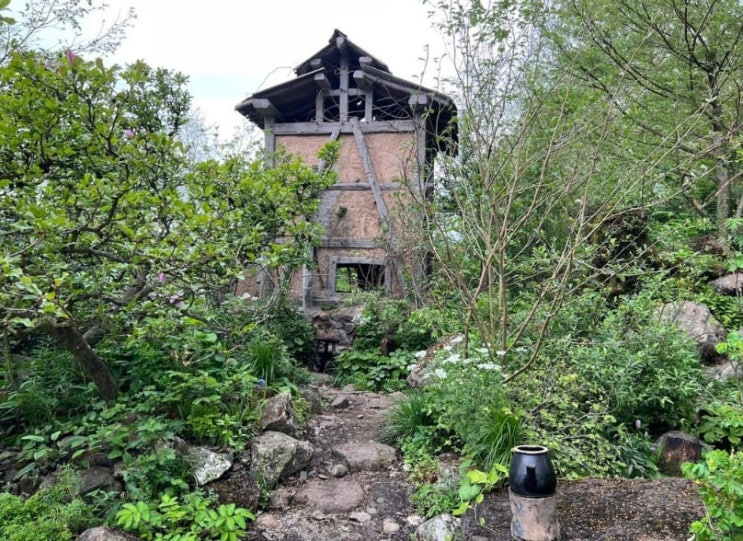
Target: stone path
x,y
355,488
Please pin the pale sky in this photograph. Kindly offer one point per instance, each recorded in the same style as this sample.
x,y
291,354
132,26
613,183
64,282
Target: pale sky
x,y
232,48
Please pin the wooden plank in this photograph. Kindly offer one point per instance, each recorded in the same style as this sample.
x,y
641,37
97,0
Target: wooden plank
x,y
363,186
266,108
369,105
326,128
322,81
361,244
369,170
344,77
320,105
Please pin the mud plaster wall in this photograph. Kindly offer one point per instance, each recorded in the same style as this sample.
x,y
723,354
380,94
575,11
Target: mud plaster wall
x,y
392,156
392,160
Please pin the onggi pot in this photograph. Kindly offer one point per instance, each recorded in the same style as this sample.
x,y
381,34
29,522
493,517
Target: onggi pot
x,y
532,484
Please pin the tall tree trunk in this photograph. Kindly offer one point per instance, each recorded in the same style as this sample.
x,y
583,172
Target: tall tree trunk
x,y
72,341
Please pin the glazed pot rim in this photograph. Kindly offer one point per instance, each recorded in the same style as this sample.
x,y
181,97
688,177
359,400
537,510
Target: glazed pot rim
x,y
530,449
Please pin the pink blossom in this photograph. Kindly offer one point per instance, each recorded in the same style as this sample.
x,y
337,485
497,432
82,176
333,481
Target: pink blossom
x,y
161,277
70,56
129,132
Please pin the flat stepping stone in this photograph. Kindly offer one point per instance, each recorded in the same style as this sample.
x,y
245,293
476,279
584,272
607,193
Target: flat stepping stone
x,y
366,456
330,497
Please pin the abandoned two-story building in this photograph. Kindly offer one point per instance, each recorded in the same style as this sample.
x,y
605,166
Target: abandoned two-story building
x,y
390,131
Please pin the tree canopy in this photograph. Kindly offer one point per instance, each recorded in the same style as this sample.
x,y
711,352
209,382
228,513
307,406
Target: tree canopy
x,y
105,220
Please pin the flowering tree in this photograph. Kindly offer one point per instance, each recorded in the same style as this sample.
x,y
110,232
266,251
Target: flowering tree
x,y
103,218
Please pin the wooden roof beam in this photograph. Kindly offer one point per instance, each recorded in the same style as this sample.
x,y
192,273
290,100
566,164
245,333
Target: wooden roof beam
x,y
361,80
418,100
322,81
265,108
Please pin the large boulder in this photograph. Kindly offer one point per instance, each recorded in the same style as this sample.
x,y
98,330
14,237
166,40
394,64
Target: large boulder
x,y
675,448
278,414
207,465
99,533
697,321
275,455
420,374
729,284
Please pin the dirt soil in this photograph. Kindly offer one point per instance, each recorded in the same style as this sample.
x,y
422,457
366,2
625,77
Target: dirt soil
x,y
590,509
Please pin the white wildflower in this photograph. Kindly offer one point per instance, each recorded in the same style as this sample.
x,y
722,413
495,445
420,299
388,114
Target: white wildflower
x,y
452,359
440,373
488,366
420,354
457,339
501,353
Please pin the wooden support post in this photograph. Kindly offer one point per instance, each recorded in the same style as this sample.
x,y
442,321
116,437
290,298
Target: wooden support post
x,y
343,87
384,214
269,140
418,103
369,170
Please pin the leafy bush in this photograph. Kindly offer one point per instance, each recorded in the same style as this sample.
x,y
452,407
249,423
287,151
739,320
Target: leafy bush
x,y
371,370
285,322
471,404
722,424
720,480
52,513
651,368
191,518
408,418
46,384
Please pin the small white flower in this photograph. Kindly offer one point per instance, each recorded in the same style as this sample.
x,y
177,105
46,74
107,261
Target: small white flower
x,y
440,373
483,351
501,353
411,367
488,366
447,348
452,359
522,349
457,339
420,354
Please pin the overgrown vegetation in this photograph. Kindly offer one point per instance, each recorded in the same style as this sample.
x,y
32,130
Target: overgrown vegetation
x,y
590,189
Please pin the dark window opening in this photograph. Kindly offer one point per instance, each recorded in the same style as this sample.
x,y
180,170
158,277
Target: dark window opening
x,y
331,109
358,276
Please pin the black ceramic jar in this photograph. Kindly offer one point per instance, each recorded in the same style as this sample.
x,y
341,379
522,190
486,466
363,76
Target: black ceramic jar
x,y
531,474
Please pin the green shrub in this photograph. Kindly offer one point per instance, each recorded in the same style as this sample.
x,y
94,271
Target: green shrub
x,y
722,424
52,513
720,480
373,371
651,368
47,385
407,418
289,325
191,518
471,404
